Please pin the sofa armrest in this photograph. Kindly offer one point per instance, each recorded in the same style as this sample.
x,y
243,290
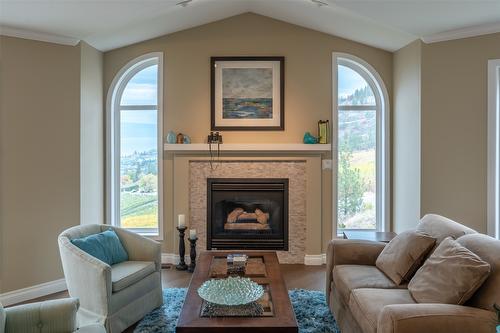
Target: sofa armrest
x,y
87,278
140,248
413,318
54,316
350,252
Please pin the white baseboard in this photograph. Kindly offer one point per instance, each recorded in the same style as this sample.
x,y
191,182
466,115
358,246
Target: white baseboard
x,y
29,293
172,258
315,259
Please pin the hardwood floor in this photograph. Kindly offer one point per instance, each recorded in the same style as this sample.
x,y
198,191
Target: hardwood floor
x,y
296,277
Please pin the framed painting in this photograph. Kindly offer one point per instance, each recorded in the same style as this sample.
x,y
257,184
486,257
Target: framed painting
x,y
247,93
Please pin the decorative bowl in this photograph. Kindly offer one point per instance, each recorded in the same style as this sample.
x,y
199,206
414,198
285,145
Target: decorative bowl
x,y
230,291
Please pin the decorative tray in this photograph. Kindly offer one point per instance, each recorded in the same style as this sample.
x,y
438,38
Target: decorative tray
x,y
230,291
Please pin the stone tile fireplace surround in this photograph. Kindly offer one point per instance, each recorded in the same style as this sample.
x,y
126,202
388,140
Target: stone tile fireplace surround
x,y
303,173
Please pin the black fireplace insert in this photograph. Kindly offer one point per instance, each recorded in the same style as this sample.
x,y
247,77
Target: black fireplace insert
x,y
247,213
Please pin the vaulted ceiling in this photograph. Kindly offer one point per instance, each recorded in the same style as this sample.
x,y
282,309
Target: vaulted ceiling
x,y
108,24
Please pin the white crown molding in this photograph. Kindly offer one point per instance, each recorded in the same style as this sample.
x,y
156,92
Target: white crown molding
x,y
29,293
472,31
40,36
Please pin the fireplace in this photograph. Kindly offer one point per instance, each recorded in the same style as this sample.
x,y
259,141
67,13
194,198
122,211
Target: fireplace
x,y
247,213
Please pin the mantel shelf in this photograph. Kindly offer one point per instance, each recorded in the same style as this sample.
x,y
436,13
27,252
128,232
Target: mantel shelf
x,y
250,147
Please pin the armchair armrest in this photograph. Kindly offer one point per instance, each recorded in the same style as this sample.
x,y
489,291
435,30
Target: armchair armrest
x,y
413,318
140,248
54,316
87,278
350,252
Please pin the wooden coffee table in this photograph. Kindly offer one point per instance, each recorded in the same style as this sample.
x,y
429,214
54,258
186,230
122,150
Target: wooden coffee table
x,y
263,268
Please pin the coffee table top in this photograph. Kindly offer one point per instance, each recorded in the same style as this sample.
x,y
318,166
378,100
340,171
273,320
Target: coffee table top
x,y
263,268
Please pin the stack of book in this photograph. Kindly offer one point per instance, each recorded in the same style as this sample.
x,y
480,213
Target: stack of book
x,y
236,264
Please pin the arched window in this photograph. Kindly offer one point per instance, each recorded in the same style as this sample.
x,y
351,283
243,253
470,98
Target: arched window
x,y
362,123
134,146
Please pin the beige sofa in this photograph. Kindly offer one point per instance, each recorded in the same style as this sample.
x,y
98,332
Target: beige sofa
x,y
363,299
115,296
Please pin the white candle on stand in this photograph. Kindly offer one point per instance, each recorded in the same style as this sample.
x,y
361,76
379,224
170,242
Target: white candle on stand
x,y
192,233
182,220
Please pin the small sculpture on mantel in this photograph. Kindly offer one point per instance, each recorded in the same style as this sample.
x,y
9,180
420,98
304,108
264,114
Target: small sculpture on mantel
x,y
180,138
171,137
309,138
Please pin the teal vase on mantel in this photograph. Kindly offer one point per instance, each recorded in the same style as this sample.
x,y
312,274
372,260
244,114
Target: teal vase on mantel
x,y
309,139
498,329
171,137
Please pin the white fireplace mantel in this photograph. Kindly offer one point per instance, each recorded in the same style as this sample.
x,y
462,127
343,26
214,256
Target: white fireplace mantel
x,y
250,147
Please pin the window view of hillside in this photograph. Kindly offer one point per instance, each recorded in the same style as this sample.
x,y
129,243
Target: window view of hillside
x,y
357,130
139,152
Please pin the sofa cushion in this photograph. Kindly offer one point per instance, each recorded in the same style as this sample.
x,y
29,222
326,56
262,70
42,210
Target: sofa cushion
x,y
366,304
349,277
488,249
404,254
440,227
127,273
451,275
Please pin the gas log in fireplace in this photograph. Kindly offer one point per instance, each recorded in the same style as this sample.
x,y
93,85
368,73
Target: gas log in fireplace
x,y
247,213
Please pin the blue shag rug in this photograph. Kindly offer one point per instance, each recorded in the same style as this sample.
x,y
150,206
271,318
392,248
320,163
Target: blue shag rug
x,y
311,311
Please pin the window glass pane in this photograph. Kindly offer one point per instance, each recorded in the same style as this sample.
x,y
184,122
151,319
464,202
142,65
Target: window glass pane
x,y
353,89
138,169
142,88
356,169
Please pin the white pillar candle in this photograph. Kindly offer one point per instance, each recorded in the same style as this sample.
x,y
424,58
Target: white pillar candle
x,y
182,220
192,233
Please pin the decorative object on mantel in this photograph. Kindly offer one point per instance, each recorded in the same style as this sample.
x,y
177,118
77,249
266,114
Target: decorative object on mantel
x,y
309,139
186,139
214,138
171,137
323,131
180,138
247,93
182,249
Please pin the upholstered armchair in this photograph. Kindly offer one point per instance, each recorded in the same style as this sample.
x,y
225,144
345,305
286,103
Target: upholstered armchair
x,y
51,316
116,296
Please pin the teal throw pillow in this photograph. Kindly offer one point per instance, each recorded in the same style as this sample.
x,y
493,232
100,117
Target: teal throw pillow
x,y
105,246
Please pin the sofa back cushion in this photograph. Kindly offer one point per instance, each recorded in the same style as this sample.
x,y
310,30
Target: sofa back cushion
x,y
404,254
488,249
451,275
440,227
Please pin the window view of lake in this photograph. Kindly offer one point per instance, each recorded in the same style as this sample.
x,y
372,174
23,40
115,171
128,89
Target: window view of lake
x,y
139,152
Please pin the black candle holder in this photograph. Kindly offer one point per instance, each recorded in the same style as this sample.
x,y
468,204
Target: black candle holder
x,y
182,250
192,265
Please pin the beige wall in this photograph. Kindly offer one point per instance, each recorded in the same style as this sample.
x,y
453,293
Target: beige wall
x,y
454,128
406,137
91,135
39,137
308,85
